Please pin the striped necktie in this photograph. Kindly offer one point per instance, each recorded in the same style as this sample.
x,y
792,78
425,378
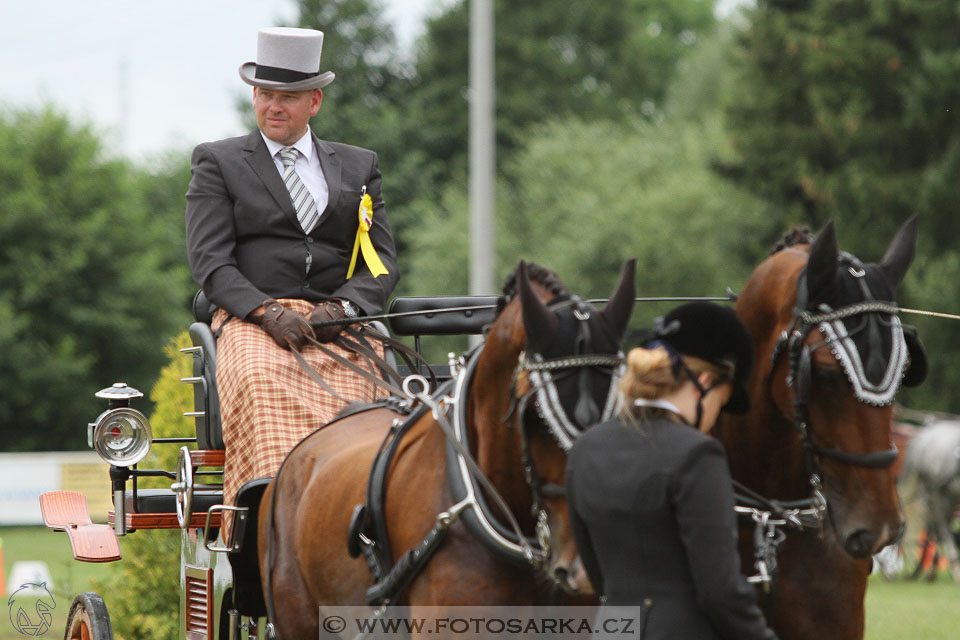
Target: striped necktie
x,y
302,200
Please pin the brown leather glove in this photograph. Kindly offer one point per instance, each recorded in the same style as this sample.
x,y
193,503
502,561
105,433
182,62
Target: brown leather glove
x,y
285,326
323,312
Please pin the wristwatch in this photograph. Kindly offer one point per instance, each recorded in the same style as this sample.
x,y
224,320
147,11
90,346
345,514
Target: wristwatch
x,y
349,309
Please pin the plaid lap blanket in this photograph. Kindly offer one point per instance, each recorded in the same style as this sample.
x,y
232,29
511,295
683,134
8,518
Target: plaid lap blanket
x,y
268,403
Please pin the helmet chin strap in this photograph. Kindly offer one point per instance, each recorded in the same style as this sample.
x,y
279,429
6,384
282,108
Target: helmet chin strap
x,y
703,391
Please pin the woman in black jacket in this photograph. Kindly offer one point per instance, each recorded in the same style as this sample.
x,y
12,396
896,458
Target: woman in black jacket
x,y
650,495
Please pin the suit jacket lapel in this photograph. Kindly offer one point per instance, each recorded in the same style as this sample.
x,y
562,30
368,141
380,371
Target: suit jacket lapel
x,y
331,166
258,157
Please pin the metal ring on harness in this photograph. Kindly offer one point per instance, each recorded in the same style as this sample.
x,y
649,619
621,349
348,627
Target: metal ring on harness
x,y
410,380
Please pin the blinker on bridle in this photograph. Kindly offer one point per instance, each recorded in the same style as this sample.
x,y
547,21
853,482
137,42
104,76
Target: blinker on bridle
x,y
542,375
840,341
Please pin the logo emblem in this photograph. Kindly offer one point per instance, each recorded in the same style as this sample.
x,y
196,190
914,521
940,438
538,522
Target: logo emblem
x,y
30,607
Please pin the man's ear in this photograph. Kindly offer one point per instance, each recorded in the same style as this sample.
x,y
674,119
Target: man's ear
x,y
316,102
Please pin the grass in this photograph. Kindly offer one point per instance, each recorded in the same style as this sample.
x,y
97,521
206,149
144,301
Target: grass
x,y
901,610
913,610
69,576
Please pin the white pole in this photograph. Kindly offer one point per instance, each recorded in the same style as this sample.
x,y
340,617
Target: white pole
x,y
482,141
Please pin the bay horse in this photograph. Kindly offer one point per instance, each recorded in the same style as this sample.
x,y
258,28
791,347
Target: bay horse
x,y
546,347
831,354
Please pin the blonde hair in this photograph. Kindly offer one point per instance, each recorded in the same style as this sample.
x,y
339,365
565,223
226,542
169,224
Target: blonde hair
x,y
650,376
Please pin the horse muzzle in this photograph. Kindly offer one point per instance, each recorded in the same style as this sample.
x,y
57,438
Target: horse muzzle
x,y
862,542
572,577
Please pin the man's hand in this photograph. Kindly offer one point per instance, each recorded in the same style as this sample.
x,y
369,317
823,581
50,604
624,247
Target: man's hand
x,y
326,311
285,326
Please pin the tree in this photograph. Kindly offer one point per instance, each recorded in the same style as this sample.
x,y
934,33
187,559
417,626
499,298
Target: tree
x,y
587,195
610,60
90,286
847,110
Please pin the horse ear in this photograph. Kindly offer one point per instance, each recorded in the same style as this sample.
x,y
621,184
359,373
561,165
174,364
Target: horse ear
x,y
538,323
618,309
822,264
900,253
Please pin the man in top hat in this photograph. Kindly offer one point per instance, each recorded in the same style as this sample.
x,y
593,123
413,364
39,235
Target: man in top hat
x,y
285,229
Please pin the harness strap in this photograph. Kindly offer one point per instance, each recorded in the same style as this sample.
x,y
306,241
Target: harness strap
x,y
346,363
872,460
362,346
413,561
411,357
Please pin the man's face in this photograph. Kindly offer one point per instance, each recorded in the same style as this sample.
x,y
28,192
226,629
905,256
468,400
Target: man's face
x,y
283,115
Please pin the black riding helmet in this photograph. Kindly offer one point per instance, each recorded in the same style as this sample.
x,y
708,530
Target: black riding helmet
x,y
713,333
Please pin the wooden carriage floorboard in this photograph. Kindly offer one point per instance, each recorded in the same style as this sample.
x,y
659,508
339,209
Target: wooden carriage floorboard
x,y
67,511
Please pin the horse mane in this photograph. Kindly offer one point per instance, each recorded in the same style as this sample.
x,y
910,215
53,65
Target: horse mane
x,y
541,275
796,235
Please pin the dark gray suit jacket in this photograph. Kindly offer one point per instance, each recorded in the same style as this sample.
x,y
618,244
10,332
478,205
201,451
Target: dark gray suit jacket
x,y
652,512
244,243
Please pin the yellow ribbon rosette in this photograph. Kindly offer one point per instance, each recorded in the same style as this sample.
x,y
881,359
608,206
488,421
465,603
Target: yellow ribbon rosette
x,y
363,242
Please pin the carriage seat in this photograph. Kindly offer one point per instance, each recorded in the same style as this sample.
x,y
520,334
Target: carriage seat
x,y
165,501
440,316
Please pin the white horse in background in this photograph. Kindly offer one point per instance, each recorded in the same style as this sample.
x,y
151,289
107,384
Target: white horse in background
x,y
932,465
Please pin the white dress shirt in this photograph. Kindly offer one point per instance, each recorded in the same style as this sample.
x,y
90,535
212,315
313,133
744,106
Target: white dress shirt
x,y
307,167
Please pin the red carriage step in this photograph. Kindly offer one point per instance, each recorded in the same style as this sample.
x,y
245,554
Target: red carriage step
x,y
67,511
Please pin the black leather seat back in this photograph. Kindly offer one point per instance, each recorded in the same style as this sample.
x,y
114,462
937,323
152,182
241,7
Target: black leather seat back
x,y
202,308
442,315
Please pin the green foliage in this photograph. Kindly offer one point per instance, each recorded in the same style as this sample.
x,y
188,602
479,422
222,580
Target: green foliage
x,y
847,111
585,195
89,284
597,61
142,591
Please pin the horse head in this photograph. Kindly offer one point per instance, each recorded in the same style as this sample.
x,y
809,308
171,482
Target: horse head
x,y
548,370
567,370
835,356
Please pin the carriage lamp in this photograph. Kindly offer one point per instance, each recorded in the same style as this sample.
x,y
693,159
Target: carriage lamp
x,y
121,436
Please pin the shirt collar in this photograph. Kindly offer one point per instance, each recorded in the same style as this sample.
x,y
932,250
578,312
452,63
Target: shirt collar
x,y
304,145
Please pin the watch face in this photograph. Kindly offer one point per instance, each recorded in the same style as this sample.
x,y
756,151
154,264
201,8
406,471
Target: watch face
x,y
349,309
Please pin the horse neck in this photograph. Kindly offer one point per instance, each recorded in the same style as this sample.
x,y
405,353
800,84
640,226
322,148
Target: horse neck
x,y
763,447
492,420
765,453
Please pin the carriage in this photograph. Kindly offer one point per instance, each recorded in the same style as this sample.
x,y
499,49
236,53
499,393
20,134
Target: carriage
x,y
831,355
219,576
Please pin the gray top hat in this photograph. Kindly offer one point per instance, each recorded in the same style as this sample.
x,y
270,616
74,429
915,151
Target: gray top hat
x,y
288,59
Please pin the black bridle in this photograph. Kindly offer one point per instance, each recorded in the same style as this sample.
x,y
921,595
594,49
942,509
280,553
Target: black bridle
x,y
543,374
829,322
768,515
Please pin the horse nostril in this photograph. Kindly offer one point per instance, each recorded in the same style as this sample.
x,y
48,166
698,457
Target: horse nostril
x,y
560,575
860,543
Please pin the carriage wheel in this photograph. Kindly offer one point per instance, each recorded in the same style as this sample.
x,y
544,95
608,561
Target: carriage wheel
x,y
88,619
